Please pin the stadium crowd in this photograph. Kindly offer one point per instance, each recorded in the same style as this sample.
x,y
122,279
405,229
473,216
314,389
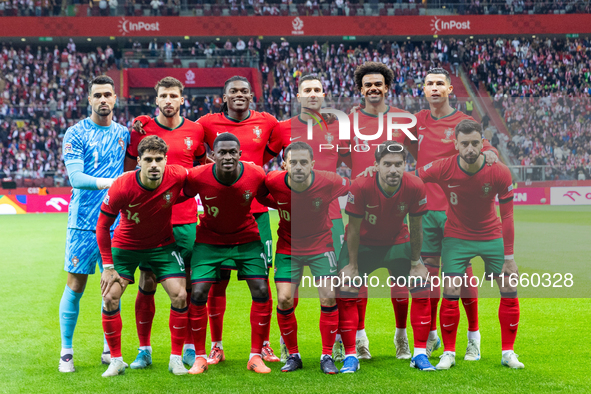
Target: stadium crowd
x,y
542,88
282,7
43,91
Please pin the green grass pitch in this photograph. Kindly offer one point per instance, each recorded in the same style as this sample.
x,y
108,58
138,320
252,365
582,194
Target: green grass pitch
x,y
551,340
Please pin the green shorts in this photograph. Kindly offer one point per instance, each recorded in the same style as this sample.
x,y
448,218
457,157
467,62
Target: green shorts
x,y
207,261
265,233
184,236
289,269
166,262
395,258
338,236
457,253
433,224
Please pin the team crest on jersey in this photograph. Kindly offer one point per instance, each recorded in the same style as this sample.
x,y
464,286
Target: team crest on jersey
x,y
247,196
121,144
486,188
188,143
167,197
316,203
329,138
75,261
402,208
257,132
68,148
448,133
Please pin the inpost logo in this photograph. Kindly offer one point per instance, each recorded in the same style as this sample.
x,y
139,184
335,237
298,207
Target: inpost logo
x,y
127,26
439,25
392,124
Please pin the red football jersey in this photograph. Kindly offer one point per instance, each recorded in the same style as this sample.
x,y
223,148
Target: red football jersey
x,y
308,233
436,141
227,219
254,133
383,215
326,159
185,144
471,212
145,214
362,152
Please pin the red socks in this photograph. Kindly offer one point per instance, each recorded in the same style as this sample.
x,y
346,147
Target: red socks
x,y
112,326
288,325
469,297
189,337
260,319
198,317
348,322
145,309
178,323
216,307
449,316
399,297
509,319
270,311
434,296
361,307
329,325
420,318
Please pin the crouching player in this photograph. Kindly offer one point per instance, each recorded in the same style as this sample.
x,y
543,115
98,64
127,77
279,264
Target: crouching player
x,y
227,231
303,197
473,229
377,237
145,199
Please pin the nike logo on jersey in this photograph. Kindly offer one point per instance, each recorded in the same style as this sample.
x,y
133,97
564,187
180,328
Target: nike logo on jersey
x,y
281,203
372,206
178,328
333,271
210,198
293,139
134,205
422,128
263,324
287,333
449,325
451,187
93,143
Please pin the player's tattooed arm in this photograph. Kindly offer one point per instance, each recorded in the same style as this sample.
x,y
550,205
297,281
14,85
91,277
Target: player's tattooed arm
x,y
140,122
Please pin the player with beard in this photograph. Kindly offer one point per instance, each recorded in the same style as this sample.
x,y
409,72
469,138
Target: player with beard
x,y
435,140
378,237
185,146
303,196
473,229
373,81
255,131
311,97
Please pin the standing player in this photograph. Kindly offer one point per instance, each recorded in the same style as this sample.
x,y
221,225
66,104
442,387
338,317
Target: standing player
x,y
228,231
311,96
305,195
255,131
435,134
373,81
145,199
377,237
185,146
473,229
93,151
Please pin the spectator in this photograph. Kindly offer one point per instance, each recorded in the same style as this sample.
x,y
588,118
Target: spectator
x,y
155,4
